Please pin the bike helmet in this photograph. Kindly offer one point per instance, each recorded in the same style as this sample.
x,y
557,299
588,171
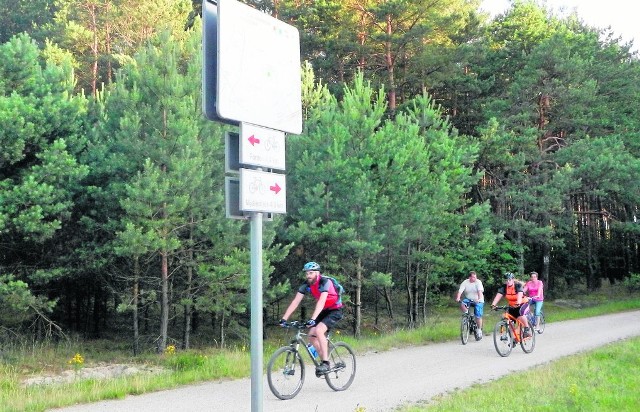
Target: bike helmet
x,y
509,275
310,266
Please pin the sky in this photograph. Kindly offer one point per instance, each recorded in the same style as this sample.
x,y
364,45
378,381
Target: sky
x,y
621,15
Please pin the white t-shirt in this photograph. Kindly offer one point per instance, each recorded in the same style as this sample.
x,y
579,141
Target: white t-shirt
x,y
472,290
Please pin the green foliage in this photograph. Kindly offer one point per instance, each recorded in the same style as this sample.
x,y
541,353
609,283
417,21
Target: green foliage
x,y
186,361
528,164
632,283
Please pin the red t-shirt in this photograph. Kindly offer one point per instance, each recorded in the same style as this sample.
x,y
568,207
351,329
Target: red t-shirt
x,y
323,285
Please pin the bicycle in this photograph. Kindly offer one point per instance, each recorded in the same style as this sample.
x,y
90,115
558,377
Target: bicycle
x,y
506,336
468,324
531,316
286,373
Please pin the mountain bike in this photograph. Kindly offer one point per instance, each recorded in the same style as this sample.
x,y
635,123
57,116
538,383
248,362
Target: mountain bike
x,y
468,324
508,332
286,372
531,316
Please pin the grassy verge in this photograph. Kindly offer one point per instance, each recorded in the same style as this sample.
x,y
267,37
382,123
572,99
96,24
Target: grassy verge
x,y
185,367
605,379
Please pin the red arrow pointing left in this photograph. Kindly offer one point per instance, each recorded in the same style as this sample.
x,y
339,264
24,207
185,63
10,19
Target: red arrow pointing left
x,y
253,140
275,188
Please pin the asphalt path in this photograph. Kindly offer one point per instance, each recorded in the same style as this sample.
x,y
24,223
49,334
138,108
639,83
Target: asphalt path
x,y
385,381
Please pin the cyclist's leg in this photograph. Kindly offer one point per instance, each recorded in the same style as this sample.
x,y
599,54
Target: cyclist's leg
x,y
538,313
524,310
464,305
479,311
326,321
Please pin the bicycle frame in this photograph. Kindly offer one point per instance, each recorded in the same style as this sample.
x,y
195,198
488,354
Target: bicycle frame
x,y
512,325
300,339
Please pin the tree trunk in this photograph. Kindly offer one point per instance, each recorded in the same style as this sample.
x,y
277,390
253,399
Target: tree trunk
x,y
136,292
408,282
424,298
164,302
188,307
390,70
387,298
358,301
91,9
546,261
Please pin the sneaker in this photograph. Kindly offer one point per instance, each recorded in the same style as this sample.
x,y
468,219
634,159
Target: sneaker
x,y
527,332
322,369
478,334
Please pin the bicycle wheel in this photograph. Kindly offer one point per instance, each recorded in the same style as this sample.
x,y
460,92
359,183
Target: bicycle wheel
x,y
464,329
527,343
502,338
343,366
285,373
541,323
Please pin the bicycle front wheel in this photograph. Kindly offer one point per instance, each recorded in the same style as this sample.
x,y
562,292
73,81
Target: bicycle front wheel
x,y
502,339
285,373
464,329
343,366
527,343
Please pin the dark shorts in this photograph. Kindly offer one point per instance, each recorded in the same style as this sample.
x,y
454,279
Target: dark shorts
x,y
517,311
330,317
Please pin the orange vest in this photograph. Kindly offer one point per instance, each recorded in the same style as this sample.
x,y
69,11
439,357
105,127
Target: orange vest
x,y
512,295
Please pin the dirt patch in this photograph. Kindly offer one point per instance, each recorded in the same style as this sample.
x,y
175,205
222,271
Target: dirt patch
x,y
100,372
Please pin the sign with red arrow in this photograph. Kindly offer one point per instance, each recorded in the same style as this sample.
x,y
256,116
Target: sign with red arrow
x,y
263,147
262,191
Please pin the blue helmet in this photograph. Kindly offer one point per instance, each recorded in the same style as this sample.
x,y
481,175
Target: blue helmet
x,y
509,275
311,266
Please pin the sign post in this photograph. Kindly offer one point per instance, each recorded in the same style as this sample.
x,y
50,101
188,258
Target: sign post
x,y
252,78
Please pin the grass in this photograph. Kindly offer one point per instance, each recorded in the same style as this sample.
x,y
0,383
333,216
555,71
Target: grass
x,y
186,367
605,379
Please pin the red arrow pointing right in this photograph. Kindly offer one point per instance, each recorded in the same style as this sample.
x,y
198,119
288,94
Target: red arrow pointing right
x,y
275,188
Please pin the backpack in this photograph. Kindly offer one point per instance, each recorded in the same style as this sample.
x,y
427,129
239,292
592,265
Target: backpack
x,y
336,285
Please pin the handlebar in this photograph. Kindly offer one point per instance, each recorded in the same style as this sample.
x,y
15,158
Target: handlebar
x,y
504,307
296,324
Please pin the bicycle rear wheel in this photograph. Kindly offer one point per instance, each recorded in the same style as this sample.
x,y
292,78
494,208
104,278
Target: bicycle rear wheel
x,y
343,366
527,343
502,338
464,329
541,323
285,373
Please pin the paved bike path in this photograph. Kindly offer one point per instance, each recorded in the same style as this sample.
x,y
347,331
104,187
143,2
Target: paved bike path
x,y
385,381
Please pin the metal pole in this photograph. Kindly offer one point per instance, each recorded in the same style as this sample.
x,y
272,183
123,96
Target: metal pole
x,y
256,312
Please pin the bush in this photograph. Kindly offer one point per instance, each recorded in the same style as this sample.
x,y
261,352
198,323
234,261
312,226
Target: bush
x,y
632,283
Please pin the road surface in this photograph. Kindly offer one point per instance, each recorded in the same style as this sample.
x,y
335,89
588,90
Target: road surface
x,y
385,381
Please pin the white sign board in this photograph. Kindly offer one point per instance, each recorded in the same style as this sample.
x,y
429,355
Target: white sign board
x,y
262,191
259,77
263,147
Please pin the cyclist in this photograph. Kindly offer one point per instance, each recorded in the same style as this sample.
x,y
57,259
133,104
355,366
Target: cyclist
x,y
326,314
534,288
473,296
518,303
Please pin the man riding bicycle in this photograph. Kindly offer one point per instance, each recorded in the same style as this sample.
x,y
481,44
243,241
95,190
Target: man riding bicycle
x,y
327,312
473,296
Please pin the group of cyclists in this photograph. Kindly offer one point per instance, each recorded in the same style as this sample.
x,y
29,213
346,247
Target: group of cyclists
x,y
521,298
328,309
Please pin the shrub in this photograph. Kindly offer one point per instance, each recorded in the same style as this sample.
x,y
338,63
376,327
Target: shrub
x,y
632,283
